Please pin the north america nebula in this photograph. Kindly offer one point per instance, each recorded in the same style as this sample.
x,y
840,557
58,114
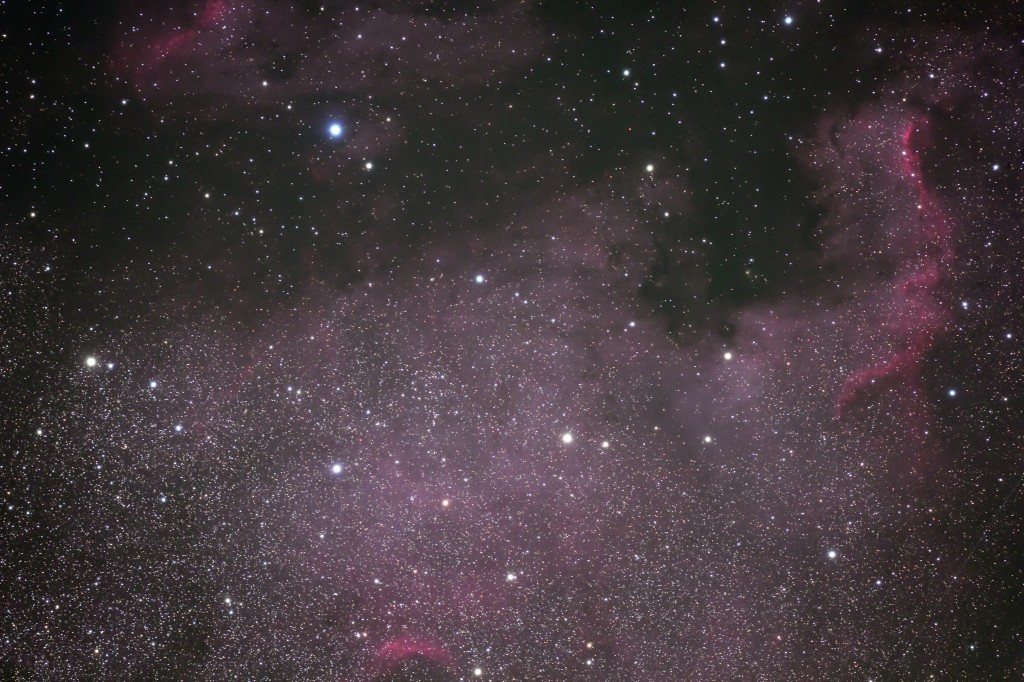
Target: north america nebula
x,y
515,341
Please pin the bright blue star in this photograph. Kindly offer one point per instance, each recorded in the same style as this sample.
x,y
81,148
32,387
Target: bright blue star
x,y
335,130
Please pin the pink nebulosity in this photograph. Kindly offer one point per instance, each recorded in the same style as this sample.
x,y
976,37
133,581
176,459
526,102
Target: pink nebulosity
x,y
396,651
934,223
917,315
139,62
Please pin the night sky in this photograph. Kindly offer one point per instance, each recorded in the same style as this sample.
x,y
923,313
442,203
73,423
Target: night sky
x,y
516,340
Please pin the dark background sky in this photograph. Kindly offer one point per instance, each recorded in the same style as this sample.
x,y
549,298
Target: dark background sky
x,y
609,341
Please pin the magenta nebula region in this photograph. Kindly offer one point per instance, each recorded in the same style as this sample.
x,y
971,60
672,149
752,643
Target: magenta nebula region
x,y
517,340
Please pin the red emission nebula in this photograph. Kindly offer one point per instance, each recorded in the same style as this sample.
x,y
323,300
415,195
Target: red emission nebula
x,y
517,340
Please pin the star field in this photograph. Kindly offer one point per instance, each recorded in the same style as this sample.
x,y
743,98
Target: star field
x,y
511,341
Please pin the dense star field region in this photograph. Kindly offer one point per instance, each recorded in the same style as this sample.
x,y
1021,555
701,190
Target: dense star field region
x,y
518,340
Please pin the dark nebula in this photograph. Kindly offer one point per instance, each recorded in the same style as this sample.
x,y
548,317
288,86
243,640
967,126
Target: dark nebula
x,y
614,341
